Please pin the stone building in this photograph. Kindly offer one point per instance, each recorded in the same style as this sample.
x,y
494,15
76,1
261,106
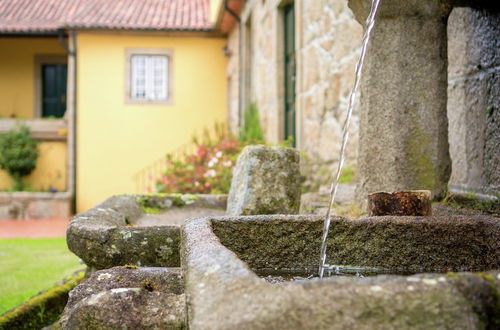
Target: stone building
x,y
295,60
474,98
303,95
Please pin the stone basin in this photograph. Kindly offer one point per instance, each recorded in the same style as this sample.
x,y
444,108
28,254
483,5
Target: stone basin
x,y
128,297
457,259
142,230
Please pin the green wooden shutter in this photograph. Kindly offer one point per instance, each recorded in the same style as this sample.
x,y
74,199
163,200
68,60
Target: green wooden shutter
x,y
289,18
54,78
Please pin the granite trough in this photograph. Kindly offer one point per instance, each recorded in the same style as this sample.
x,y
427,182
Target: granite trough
x,y
455,262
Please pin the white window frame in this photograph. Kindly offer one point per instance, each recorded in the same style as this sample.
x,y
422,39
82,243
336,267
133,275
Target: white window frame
x,y
129,54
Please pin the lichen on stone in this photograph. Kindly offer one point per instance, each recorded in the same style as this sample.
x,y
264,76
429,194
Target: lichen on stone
x,y
159,203
129,266
419,160
148,285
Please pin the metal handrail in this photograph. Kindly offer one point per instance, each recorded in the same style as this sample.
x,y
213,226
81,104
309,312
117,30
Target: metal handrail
x,y
146,178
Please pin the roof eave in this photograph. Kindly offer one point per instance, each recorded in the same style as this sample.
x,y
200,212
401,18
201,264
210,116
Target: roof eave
x,y
29,33
111,28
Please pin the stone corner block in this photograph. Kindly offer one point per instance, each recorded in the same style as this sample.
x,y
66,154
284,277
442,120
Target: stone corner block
x,y
266,180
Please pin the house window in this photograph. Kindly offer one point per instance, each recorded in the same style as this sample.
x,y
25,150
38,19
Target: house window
x,y
148,76
51,73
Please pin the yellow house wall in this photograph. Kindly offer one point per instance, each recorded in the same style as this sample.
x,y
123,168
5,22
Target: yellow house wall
x,y
116,140
17,95
50,171
17,73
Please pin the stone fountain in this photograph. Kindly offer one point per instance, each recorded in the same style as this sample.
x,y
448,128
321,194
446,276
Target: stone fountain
x,y
222,258
429,272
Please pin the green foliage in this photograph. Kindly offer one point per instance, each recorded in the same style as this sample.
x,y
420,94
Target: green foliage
x,y
251,132
152,210
490,111
347,175
18,154
208,169
288,143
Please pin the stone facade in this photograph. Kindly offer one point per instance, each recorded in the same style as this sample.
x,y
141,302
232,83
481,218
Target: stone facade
x,y
328,40
474,99
327,58
233,79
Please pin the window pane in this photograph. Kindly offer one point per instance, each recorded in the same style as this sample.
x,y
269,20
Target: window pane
x,y
149,77
138,77
160,75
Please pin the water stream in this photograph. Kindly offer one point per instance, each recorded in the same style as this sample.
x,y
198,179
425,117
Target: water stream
x,y
370,22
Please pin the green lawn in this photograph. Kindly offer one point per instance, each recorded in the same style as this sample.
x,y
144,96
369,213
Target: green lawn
x,y
28,266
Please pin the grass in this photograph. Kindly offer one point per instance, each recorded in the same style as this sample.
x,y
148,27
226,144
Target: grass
x,y
28,266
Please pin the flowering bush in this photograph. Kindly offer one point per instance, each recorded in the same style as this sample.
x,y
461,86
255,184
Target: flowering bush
x,y
208,170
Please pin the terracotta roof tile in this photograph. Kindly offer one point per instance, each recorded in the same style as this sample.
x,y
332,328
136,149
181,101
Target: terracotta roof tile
x,y
17,16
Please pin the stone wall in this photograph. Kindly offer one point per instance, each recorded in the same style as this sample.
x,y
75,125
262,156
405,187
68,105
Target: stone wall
x,y
328,43
474,99
262,60
328,40
329,49
29,205
233,79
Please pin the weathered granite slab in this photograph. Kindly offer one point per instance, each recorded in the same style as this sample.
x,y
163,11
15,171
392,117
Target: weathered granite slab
x,y
177,216
113,233
127,297
223,292
413,244
403,123
266,180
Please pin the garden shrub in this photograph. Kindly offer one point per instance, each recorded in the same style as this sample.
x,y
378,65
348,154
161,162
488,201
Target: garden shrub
x,y
208,170
18,154
251,132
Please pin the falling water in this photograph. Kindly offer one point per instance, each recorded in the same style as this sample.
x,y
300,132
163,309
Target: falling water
x,y
370,22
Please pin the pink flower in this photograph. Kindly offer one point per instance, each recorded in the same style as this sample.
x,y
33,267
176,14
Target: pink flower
x,y
202,152
212,162
210,174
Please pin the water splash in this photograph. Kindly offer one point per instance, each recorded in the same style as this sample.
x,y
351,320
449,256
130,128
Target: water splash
x,y
370,22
